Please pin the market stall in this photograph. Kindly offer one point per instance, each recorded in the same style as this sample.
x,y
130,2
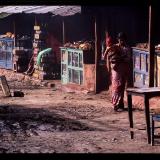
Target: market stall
x,y
78,65
141,65
6,47
20,61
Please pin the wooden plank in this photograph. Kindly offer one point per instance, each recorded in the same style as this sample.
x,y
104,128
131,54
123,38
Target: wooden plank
x,y
4,86
63,28
95,25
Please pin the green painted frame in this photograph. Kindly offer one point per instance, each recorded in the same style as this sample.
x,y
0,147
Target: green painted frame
x,y
71,65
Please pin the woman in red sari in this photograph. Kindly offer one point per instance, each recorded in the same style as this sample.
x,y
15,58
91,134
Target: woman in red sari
x,y
120,57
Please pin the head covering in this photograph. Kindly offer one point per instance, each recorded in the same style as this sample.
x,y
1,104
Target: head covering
x,y
109,41
121,36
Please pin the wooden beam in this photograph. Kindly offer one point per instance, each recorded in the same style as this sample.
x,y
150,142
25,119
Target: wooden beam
x,y
63,30
97,53
151,46
35,21
95,27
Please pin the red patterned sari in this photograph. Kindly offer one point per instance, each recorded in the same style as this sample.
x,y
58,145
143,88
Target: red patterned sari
x,y
119,78
119,58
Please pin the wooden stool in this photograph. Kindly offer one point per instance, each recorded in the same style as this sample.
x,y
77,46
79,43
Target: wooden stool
x,y
155,117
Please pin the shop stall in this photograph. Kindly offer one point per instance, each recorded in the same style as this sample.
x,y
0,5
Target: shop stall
x,y
78,65
24,58
141,65
6,52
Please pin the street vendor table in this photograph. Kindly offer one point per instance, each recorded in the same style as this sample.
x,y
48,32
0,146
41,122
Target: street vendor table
x,y
146,93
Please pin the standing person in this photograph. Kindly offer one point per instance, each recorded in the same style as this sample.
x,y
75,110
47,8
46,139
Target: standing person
x,y
105,64
106,44
120,57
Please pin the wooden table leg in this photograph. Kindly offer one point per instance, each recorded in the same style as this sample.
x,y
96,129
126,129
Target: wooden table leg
x,y
147,114
152,133
130,114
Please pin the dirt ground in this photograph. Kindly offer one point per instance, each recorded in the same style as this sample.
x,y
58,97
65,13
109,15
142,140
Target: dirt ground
x,y
48,120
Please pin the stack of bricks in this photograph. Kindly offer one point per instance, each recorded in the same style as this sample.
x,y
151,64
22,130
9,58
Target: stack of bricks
x,y
38,45
48,68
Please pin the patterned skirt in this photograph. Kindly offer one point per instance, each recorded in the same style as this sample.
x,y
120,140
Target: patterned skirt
x,y
119,78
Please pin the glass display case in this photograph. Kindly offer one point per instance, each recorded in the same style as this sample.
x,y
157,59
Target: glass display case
x,y
140,68
6,53
72,65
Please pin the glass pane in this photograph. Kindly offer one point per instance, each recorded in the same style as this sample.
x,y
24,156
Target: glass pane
x,y
63,69
138,77
9,46
8,56
81,77
75,76
143,62
137,62
75,59
80,60
4,45
70,75
63,56
69,58
2,55
146,80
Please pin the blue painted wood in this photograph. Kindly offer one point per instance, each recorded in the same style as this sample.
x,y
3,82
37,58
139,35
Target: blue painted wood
x,y
156,117
6,53
140,68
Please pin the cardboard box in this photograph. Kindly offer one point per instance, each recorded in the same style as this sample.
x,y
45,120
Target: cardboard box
x,y
37,28
39,36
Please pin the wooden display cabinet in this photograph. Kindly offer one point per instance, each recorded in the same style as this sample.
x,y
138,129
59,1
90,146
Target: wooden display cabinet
x,y
6,53
75,63
141,67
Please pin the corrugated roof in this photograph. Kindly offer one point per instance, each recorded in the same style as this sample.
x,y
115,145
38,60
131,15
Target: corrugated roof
x,y
56,10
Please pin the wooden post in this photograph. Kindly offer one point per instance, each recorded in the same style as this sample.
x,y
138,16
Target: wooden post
x,y
35,22
14,32
151,47
4,86
63,31
97,53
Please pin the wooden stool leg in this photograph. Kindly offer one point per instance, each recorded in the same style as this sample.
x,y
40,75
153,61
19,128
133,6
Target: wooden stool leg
x,y
130,114
152,132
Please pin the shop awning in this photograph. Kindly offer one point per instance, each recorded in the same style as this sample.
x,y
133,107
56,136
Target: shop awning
x,y
55,10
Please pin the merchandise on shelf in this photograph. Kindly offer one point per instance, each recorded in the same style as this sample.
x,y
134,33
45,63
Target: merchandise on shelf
x,y
83,45
45,66
6,48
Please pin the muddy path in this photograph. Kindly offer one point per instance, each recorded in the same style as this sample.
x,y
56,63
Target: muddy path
x,y
47,120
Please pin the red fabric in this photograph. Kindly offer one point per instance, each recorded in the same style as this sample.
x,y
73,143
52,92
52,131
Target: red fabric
x,y
54,44
119,78
109,41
